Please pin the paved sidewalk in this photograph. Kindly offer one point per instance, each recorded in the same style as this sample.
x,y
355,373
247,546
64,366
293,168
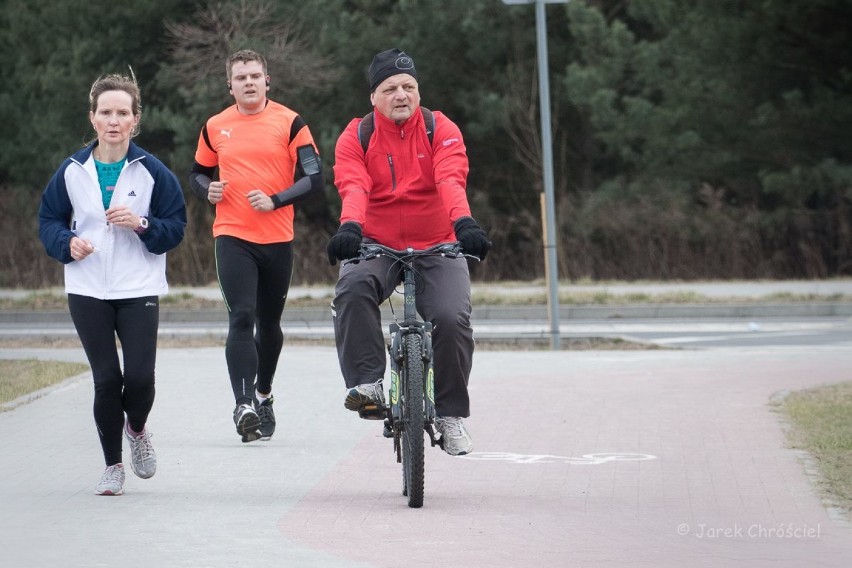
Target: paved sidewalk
x,y
583,458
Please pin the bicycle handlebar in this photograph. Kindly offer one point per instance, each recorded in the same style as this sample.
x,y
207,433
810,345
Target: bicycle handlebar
x,y
368,251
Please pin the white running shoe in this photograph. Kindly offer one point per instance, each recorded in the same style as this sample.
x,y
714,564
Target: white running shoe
x,y
143,460
454,437
368,399
112,481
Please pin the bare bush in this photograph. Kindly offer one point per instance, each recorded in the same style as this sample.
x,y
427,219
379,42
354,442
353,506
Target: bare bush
x,y
199,50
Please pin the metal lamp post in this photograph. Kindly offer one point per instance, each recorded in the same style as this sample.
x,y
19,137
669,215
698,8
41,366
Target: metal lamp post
x,y
550,267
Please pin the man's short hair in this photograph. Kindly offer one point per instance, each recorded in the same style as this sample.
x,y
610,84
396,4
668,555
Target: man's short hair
x,y
244,56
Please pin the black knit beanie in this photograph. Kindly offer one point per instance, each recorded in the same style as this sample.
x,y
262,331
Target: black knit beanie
x,y
389,63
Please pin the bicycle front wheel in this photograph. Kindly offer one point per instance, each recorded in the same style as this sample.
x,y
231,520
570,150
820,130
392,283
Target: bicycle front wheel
x,y
413,417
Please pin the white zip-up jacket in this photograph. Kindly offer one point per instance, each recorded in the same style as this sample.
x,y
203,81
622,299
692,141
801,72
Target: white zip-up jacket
x,y
126,264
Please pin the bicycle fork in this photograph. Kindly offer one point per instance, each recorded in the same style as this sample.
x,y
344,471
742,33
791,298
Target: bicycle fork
x,y
396,351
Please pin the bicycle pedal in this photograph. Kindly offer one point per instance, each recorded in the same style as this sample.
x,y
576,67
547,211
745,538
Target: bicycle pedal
x,y
372,412
432,439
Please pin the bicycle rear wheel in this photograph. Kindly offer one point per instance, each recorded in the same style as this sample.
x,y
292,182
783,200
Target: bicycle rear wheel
x,y
413,425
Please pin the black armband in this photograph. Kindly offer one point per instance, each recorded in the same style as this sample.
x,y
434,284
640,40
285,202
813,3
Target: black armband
x,y
308,178
309,161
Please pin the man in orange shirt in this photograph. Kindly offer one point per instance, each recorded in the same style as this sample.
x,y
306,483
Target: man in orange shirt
x,y
267,161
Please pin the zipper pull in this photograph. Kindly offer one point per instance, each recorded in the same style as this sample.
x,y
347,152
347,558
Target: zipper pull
x,y
392,173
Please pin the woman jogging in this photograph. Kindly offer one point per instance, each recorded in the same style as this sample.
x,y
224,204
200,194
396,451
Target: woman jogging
x,y
110,213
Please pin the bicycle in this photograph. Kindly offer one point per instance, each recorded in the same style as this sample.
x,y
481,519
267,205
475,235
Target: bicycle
x,y
410,410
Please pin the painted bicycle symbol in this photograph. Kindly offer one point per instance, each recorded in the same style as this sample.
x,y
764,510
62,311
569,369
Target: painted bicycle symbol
x,y
585,459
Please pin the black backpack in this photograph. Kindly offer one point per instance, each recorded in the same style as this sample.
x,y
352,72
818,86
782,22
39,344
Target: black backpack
x,y
366,127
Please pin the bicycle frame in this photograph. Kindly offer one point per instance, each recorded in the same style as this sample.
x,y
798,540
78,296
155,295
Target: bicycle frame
x,y
411,408
410,324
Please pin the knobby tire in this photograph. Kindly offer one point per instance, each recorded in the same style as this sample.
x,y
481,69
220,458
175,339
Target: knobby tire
x,y
413,421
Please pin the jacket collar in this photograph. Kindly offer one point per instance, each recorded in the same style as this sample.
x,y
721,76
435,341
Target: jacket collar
x,y
134,153
384,123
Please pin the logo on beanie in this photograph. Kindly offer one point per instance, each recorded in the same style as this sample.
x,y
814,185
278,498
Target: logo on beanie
x,y
389,63
404,62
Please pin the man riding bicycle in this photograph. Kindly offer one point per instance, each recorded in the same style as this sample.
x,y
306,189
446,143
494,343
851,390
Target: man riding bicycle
x,y
407,189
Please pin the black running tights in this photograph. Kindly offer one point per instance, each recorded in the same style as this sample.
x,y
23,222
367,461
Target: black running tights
x,y
254,279
135,322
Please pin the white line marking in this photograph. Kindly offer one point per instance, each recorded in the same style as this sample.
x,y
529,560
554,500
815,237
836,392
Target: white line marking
x,y
586,459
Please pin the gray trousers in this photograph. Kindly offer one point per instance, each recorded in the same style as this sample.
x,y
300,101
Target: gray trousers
x,y
443,297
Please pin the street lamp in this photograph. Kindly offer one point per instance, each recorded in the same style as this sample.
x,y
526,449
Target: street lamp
x,y
550,266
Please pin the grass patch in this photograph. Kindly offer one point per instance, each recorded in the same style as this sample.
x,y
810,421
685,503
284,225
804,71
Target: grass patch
x,y
566,344
485,344
494,297
507,295
821,424
36,301
52,301
23,376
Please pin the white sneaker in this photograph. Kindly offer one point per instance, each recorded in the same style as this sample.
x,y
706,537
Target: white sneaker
x,y
143,460
112,481
367,399
454,437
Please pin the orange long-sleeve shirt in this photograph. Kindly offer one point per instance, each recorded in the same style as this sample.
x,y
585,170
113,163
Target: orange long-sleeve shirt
x,y
256,151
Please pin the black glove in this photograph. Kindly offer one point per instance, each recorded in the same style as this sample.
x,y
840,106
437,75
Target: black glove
x,y
345,243
472,238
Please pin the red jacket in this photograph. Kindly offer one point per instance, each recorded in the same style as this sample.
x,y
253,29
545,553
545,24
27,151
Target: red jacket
x,y
402,192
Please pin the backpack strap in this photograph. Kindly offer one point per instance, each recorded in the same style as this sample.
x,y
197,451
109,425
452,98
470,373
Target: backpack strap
x,y
367,125
365,131
429,119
